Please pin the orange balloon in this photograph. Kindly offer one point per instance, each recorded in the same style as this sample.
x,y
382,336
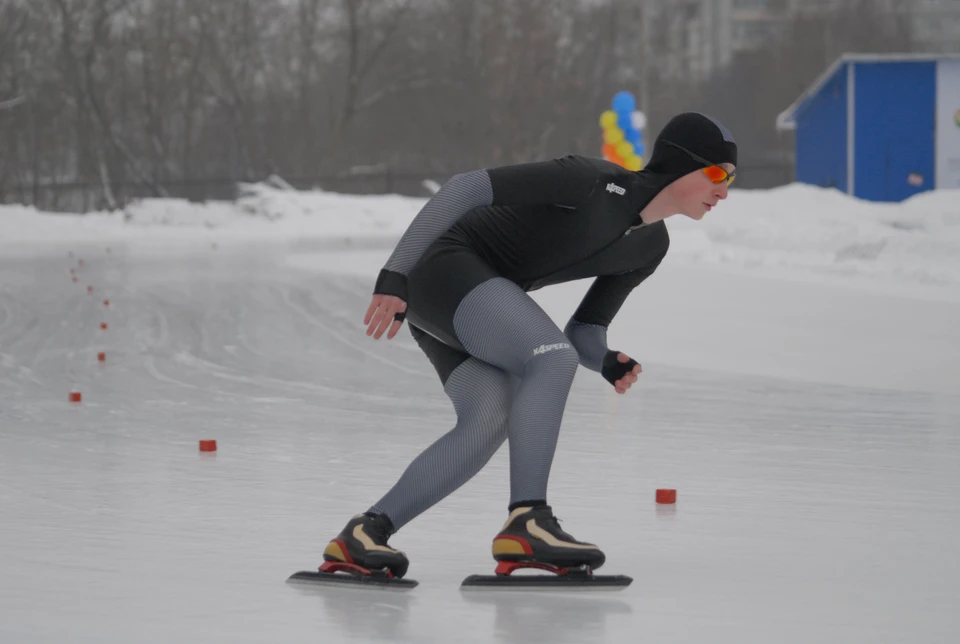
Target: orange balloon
x,y
609,150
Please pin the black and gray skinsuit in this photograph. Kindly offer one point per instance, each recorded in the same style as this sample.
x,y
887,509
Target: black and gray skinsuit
x,y
464,267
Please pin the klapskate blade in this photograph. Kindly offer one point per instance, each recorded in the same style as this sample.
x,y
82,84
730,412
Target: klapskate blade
x,y
342,579
546,582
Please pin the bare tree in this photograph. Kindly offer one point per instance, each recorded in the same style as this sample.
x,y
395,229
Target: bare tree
x,y
102,101
760,84
369,27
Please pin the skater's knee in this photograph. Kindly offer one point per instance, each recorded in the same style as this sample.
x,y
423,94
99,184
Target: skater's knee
x,y
489,407
481,396
486,427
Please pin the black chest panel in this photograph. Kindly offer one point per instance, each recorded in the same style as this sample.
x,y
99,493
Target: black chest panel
x,y
539,245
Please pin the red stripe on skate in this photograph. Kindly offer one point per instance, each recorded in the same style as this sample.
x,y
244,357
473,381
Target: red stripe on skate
x,y
343,549
338,566
527,550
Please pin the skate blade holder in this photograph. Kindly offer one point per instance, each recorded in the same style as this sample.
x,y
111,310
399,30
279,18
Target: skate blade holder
x,y
342,573
507,568
579,578
334,567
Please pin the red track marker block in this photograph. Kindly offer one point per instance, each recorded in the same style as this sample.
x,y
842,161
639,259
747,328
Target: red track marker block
x,y
208,446
666,496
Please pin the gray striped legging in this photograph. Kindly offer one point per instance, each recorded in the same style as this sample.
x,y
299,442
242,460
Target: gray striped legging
x,y
510,382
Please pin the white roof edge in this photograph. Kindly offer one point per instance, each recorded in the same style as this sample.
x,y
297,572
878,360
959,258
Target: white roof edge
x,y
786,119
911,57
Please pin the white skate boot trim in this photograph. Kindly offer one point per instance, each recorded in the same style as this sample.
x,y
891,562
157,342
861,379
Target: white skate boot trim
x,y
367,542
546,537
514,515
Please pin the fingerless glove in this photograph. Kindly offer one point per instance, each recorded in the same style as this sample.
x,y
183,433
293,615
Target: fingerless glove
x,y
391,283
613,370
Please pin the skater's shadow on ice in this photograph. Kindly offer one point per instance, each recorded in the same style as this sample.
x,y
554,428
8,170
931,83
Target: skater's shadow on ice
x,y
523,617
364,614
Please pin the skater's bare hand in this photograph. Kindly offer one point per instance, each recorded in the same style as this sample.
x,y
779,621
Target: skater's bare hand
x,y
628,378
380,315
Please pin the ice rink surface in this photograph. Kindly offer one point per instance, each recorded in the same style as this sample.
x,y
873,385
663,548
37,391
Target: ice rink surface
x,y
812,431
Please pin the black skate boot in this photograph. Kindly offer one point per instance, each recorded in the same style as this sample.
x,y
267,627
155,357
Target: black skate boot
x,y
532,538
363,543
534,535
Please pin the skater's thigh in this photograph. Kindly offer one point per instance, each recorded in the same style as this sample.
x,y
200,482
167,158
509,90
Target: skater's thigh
x,y
459,300
473,385
499,323
438,283
444,358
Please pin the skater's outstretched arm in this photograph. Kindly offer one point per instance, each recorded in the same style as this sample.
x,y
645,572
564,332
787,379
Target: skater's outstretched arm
x,y
567,182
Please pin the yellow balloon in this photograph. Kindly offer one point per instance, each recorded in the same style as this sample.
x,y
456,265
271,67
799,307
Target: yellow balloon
x,y
625,149
608,119
613,135
634,163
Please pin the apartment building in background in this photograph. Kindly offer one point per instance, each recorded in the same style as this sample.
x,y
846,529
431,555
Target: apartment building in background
x,y
692,38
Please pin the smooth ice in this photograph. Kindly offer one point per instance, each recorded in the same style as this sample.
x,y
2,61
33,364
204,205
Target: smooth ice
x,y
811,431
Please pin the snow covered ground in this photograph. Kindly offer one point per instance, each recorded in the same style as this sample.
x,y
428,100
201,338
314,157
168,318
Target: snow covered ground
x,y
801,390
814,230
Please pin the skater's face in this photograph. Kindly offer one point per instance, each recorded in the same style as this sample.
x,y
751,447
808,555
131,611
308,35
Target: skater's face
x,y
697,194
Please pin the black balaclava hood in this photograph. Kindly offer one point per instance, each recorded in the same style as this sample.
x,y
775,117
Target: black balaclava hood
x,y
702,135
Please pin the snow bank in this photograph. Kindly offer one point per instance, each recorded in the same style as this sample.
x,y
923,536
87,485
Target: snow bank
x,y
823,230
797,226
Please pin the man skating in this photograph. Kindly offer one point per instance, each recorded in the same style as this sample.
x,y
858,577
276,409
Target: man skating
x,y
460,275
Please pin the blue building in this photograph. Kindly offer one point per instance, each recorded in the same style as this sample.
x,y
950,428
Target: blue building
x,y
880,127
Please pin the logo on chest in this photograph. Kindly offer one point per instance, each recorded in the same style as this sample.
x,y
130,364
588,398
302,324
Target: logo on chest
x,y
612,187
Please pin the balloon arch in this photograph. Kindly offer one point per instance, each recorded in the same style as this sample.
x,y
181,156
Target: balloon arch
x,y
623,132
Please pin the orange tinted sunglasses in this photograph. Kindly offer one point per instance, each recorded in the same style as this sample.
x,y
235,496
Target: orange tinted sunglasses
x,y
715,173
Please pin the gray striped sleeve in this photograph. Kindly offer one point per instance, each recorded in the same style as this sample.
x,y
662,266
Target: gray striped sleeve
x,y
590,341
457,197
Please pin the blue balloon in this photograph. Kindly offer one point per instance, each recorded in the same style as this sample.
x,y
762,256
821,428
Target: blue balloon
x,y
639,149
634,137
624,122
624,103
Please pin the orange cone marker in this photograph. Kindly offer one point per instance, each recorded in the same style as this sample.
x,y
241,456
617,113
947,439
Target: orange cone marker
x,y
102,357
208,446
106,302
103,325
89,289
75,396
666,496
